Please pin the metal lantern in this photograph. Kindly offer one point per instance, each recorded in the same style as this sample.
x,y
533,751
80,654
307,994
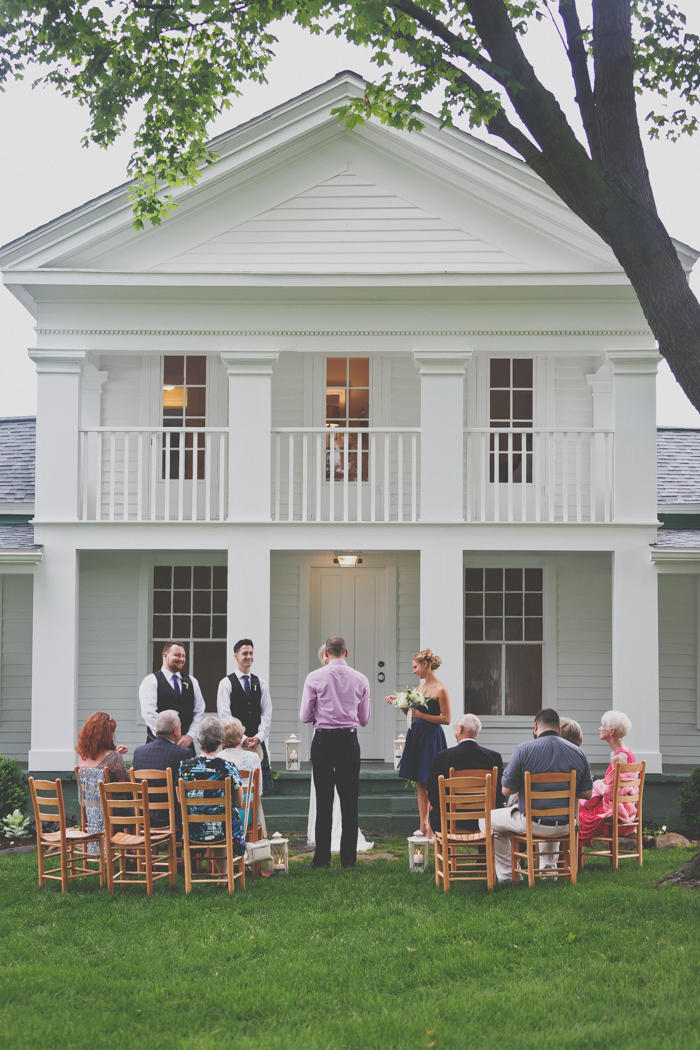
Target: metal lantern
x,y
398,749
280,854
418,853
293,746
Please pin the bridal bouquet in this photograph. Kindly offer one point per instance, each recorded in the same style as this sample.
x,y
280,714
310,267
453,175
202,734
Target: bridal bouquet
x,y
408,699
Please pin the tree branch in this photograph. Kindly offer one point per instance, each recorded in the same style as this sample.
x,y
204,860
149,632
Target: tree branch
x,y
578,59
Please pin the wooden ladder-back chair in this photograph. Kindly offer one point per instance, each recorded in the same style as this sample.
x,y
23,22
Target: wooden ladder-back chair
x,y
629,790
464,798
69,845
130,811
481,774
254,829
161,800
567,851
192,798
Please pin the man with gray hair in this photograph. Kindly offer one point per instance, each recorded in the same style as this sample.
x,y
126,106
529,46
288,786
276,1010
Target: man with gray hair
x,y
162,753
466,755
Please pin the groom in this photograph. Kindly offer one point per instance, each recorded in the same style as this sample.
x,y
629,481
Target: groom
x,y
336,699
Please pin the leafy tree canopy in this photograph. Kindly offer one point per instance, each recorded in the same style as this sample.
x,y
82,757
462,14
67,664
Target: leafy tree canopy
x,y
184,60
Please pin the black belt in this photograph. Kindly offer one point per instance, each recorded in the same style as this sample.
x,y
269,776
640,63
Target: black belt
x,y
336,730
551,823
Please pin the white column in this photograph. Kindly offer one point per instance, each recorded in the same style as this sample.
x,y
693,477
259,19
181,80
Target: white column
x,y
57,424
91,416
250,422
249,598
442,614
54,661
635,648
634,403
442,433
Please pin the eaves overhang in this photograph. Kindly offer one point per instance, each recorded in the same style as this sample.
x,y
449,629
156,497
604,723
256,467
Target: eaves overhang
x,y
21,555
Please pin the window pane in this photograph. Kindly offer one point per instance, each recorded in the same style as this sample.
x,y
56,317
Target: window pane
x,y
494,604
522,372
162,576
201,627
161,601
494,629
202,602
522,407
473,604
209,667
533,629
533,581
218,627
219,602
474,629
500,372
533,604
494,579
500,407
473,579
335,405
359,371
359,404
220,574
202,576
514,579
161,627
173,371
182,601
181,626
523,679
482,679
336,371
514,629
196,402
514,605
173,400
183,576
196,371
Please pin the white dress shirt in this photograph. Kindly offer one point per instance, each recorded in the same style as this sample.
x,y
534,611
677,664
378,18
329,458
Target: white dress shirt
x,y
223,703
148,697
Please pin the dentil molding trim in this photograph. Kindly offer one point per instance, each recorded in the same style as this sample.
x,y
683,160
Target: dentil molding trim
x,y
251,333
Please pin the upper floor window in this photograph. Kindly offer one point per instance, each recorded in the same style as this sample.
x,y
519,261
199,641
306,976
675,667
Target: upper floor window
x,y
511,407
347,406
503,641
184,406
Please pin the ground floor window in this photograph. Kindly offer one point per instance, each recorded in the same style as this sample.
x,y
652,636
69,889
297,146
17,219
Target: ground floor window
x,y
189,604
503,639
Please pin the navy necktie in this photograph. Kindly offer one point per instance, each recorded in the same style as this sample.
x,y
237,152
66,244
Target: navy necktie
x,y
176,685
246,684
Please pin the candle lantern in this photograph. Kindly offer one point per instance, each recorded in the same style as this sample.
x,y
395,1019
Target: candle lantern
x,y
418,853
399,744
280,854
293,746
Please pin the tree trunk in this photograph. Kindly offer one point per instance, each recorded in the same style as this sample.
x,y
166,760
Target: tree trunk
x,y
688,875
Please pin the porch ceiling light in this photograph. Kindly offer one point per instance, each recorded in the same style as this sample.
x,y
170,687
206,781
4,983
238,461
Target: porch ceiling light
x,y
347,559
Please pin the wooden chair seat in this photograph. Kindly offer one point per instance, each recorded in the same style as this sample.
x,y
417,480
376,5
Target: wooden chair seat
x,y
68,844
464,797
631,789
522,845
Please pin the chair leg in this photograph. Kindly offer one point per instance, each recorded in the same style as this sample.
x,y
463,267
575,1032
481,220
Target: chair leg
x,y
100,847
446,863
172,860
437,859
188,865
40,862
109,864
148,861
513,862
64,871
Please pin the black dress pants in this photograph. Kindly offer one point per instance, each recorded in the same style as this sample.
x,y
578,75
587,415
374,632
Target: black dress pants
x,y
335,757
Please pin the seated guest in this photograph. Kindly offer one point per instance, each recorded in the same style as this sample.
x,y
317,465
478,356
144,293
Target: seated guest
x,y
596,813
547,753
232,751
162,753
97,753
208,766
466,755
570,730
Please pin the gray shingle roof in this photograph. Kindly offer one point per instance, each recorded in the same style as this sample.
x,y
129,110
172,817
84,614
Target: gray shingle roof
x,y
678,469
17,452
13,536
678,538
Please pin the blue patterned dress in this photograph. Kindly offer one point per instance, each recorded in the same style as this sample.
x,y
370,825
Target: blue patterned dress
x,y
423,741
212,833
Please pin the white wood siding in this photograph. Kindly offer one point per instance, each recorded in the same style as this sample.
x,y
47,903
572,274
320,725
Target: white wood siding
x,y
121,393
584,653
678,646
573,402
15,665
407,622
284,652
405,391
108,677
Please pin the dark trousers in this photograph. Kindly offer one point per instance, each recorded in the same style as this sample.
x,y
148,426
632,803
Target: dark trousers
x,y
335,757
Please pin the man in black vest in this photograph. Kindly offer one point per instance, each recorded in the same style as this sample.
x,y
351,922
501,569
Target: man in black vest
x,y
245,696
466,755
171,690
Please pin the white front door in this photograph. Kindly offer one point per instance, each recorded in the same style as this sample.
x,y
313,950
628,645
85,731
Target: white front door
x,y
352,603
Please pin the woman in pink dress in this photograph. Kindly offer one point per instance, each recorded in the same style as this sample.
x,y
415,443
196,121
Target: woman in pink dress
x,y
595,813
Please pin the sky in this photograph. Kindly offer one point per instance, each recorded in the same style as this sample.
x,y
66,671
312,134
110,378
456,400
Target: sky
x,y
47,172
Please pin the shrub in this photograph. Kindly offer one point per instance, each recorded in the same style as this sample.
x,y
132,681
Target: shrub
x,y
13,790
689,802
16,826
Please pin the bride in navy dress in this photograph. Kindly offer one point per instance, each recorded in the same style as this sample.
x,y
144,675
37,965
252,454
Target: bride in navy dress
x,y
425,736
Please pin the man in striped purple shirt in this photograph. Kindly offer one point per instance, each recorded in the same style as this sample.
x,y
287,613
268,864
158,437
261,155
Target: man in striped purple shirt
x,y
336,699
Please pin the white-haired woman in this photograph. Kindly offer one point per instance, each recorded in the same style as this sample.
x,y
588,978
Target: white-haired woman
x,y
595,812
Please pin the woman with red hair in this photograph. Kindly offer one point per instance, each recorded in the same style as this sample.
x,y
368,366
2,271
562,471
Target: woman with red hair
x,y
97,749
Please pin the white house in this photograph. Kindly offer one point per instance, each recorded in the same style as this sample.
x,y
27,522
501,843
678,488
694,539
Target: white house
x,y
399,345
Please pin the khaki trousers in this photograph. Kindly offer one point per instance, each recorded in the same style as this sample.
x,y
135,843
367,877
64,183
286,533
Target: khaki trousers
x,y
506,822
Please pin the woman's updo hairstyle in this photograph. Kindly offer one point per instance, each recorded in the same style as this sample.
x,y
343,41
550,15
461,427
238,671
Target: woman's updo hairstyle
x,y
427,656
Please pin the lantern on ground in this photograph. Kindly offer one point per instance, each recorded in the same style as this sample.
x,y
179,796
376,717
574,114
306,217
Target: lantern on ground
x,y
293,747
399,744
418,853
280,854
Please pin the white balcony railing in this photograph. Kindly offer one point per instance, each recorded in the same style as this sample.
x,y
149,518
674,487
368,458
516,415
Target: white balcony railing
x,y
345,474
553,475
153,474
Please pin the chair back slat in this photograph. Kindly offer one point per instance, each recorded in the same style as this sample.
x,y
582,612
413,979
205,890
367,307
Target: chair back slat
x,y
465,798
481,774
161,795
190,801
48,808
566,790
127,811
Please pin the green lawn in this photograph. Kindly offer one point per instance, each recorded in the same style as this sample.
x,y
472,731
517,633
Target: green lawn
x,y
373,957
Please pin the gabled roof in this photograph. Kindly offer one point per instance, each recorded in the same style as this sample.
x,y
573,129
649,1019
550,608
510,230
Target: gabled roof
x,y
678,466
17,537
17,453
295,191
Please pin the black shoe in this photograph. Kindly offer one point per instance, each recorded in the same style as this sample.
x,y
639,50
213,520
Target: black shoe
x,y
352,865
